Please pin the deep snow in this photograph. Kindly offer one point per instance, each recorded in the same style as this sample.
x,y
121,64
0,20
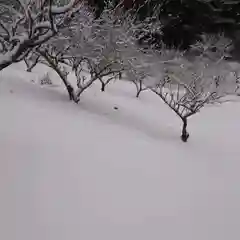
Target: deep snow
x,y
91,172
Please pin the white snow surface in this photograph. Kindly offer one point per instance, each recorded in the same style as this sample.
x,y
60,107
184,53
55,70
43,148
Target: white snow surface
x,y
91,172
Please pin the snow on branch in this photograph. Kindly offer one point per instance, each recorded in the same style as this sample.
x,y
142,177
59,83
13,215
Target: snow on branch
x,y
187,86
88,45
29,26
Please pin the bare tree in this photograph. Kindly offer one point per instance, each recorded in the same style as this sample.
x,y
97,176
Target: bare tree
x,y
54,60
187,86
137,76
29,25
136,61
87,45
92,74
98,45
186,99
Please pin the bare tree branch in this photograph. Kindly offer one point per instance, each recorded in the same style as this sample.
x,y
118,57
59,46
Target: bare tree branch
x,y
30,29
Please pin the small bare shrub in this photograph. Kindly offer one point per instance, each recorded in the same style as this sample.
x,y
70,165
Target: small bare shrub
x,y
46,80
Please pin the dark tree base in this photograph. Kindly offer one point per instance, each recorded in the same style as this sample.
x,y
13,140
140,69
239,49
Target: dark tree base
x,y
185,134
70,92
185,137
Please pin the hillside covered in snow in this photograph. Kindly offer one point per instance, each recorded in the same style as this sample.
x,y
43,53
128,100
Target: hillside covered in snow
x,y
113,167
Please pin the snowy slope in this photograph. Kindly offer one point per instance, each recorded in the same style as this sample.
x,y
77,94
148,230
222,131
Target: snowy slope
x,y
91,172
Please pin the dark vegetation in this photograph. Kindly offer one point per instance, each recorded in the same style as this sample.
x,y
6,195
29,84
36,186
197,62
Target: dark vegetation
x,y
185,20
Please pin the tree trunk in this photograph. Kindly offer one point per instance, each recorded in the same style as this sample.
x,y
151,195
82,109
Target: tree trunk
x,y
103,87
66,83
70,92
28,67
138,93
185,134
5,64
61,75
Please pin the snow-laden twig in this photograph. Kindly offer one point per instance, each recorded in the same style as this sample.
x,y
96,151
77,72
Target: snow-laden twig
x,y
31,26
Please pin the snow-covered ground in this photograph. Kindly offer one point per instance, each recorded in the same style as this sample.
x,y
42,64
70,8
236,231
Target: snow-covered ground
x,y
92,172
